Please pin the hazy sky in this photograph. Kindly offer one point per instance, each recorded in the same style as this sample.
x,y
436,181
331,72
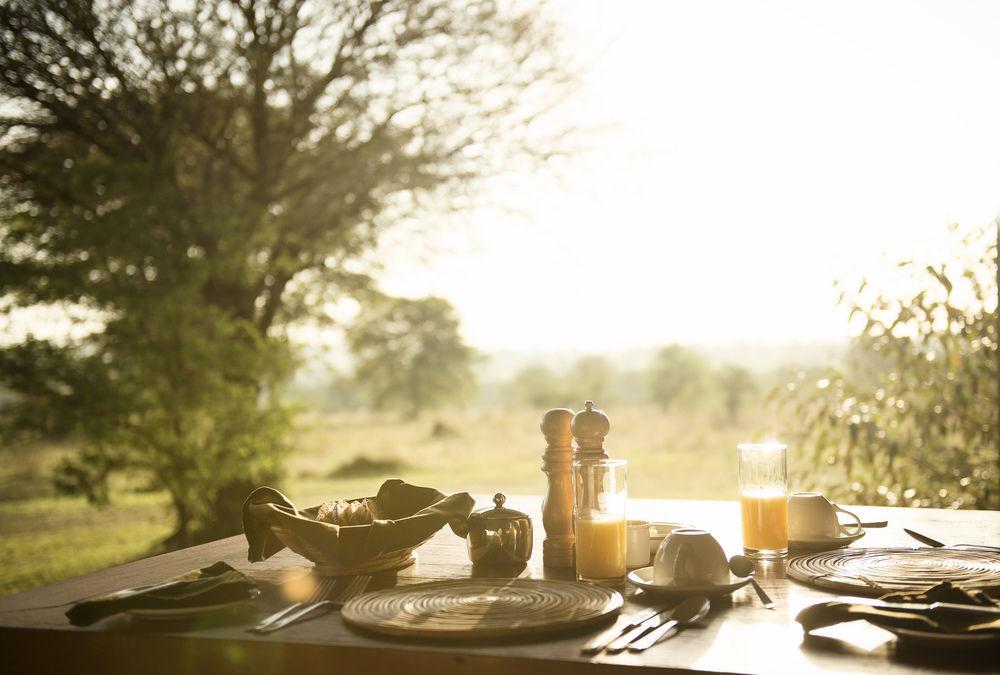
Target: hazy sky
x,y
752,152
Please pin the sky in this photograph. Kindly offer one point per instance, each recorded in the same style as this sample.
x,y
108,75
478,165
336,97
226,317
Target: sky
x,y
746,154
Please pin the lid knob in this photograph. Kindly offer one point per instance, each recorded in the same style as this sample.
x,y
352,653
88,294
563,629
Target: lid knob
x,y
499,500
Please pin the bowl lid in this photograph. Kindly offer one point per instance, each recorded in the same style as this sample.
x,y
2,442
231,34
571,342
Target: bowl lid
x,y
498,512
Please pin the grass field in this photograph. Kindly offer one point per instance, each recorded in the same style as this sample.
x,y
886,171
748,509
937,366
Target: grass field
x,y
45,537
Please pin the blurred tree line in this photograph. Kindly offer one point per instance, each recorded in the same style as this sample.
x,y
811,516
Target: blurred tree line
x,y
677,378
199,177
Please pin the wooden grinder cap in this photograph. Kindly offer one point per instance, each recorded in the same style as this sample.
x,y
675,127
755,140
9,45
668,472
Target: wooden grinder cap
x,y
590,426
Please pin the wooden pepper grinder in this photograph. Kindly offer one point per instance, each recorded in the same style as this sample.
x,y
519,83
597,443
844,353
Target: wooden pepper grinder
x,y
590,426
557,507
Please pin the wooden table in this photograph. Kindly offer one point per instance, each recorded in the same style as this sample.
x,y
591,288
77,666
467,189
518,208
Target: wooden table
x,y
739,635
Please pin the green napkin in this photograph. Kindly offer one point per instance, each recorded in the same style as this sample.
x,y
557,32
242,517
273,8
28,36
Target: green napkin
x,y
825,614
411,515
213,585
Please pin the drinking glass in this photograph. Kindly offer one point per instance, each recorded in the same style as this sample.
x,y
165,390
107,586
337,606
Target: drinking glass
x,y
764,499
599,519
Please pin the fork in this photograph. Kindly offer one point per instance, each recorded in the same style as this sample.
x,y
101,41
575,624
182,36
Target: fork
x,y
356,587
322,590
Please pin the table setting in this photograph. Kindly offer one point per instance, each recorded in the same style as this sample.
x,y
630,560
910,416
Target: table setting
x,y
605,579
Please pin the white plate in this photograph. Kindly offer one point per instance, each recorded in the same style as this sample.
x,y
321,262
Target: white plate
x,y
643,578
178,613
824,543
658,531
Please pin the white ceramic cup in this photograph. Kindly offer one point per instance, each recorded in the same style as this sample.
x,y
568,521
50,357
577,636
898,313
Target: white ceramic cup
x,y
690,557
636,543
813,516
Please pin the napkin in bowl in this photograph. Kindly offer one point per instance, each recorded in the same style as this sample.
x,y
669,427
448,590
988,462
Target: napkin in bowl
x,y
401,516
213,585
825,614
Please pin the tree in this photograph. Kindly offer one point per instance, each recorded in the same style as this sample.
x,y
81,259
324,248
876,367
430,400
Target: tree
x,y
677,376
912,417
737,384
591,377
538,386
198,176
409,354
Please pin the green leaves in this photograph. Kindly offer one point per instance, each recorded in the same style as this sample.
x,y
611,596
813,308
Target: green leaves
x,y
913,419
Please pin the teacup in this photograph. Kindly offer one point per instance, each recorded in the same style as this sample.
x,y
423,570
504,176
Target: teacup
x,y
637,543
690,557
813,516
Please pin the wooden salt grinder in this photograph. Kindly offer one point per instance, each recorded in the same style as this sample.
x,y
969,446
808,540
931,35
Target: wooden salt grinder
x,y
557,507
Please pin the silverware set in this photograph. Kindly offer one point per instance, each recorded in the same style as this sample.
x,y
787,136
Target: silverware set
x,y
316,605
650,628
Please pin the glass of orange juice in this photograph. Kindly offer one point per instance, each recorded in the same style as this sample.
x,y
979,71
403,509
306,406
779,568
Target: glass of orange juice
x,y
764,499
599,496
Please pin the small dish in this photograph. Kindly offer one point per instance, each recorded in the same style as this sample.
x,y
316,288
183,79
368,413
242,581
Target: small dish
x,y
643,578
824,543
658,531
181,613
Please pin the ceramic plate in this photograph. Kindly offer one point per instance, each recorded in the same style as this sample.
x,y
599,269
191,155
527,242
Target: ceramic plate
x,y
658,531
643,578
940,637
824,543
179,613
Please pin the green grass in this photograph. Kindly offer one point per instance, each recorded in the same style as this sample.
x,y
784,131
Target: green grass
x,y
45,537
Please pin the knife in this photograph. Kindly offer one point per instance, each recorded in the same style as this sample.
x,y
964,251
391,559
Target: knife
x,y
923,539
981,610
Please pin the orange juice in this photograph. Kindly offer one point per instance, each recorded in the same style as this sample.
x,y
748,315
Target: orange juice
x,y
765,520
600,547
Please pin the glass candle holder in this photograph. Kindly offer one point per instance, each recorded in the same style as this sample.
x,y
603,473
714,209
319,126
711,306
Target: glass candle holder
x,y
764,499
599,496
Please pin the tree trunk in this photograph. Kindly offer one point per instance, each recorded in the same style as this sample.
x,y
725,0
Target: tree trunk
x,y
181,538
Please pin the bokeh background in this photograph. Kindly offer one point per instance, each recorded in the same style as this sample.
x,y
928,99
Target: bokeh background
x,y
317,245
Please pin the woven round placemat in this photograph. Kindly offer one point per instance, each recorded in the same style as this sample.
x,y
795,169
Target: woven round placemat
x,y
482,608
876,571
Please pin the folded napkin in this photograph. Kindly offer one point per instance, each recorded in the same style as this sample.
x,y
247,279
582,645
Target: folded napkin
x,y
406,515
213,585
826,614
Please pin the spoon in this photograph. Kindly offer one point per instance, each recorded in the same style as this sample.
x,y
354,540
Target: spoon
x,y
692,610
742,566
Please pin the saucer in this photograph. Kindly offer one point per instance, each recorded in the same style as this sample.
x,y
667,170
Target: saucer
x,y
643,578
823,543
